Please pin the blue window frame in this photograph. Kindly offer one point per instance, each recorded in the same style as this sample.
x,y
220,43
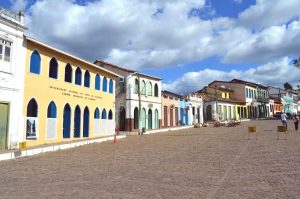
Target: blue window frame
x,y
103,114
97,114
68,73
111,86
87,79
110,115
35,62
32,108
51,112
97,82
104,85
53,68
78,75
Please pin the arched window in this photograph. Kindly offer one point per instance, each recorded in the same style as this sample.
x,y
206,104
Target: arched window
x,y
104,85
136,86
78,76
87,79
51,112
77,119
110,115
53,68
35,62
149,89
103,114
111,86
96,114
32,108
86,122
51,121
68,73
67,121
97,82
143,88
136,118
155,90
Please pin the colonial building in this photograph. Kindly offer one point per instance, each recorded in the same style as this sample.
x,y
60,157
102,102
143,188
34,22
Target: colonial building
x,y
288,99
257,99
236,94
196,113
219,104
65,98
137,95
184,112
169,117
12,67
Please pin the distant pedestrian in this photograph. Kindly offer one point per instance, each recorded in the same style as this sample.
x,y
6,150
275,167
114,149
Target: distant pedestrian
x,y
284,119
296,121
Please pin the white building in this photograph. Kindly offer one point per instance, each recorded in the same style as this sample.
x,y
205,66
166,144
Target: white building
x,y
127,99
196,112
12,68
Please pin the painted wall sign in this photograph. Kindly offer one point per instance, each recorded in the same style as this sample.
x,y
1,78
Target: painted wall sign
x,y
76,94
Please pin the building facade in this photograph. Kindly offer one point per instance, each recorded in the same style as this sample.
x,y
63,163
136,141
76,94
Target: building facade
x,y
184,112
12,67
137,95
196,112
169,117
65,97
287,100
219,104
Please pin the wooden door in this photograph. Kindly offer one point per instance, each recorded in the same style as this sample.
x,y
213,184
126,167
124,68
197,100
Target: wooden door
x,y
4,109
165,116
171,116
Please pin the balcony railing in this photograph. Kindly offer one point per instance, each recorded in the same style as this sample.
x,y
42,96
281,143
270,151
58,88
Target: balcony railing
x,y
262,99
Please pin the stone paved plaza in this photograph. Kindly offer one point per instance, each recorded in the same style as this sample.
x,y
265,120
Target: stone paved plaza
x,y
208,162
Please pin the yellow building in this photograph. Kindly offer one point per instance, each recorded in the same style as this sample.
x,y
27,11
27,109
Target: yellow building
x,y
219,103
65,98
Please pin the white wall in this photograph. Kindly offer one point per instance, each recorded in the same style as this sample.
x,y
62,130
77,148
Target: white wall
x,y
12,82
147,102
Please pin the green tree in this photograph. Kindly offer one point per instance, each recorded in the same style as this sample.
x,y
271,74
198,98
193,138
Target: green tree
x,y
287,86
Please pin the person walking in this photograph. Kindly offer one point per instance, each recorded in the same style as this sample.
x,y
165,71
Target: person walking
x,y
296,121
284,120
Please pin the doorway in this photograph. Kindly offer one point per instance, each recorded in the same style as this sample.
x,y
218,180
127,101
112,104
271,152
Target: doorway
x,y
4,112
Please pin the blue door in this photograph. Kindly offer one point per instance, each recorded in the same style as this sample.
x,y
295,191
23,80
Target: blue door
x,y
181,116
77,122
67,121
186,116
86,121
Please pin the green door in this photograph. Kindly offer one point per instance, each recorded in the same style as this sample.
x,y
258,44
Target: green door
x,y
143,118
3,125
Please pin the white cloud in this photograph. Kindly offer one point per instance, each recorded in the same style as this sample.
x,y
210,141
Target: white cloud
x,y
273,73
269,44
17,5
269,12
157,34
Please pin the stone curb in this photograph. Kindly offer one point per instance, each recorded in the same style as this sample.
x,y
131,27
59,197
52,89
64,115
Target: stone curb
x,y
35,151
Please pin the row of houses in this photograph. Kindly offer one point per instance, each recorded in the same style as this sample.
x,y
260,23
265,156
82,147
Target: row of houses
x,y
49,96
238,99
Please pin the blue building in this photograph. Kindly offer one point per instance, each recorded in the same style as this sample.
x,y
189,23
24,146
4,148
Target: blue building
x,y
184,113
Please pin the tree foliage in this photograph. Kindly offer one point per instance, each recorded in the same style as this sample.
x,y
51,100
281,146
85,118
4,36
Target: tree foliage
x,y
296,62
287,86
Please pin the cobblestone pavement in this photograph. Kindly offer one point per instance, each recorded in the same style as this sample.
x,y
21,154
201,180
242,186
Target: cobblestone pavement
x,y
207,163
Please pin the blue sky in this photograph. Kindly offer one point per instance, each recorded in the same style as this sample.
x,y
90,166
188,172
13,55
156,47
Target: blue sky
x,y
187,43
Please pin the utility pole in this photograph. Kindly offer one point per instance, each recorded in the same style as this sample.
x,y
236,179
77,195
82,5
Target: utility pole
x,y
140,105
216,94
